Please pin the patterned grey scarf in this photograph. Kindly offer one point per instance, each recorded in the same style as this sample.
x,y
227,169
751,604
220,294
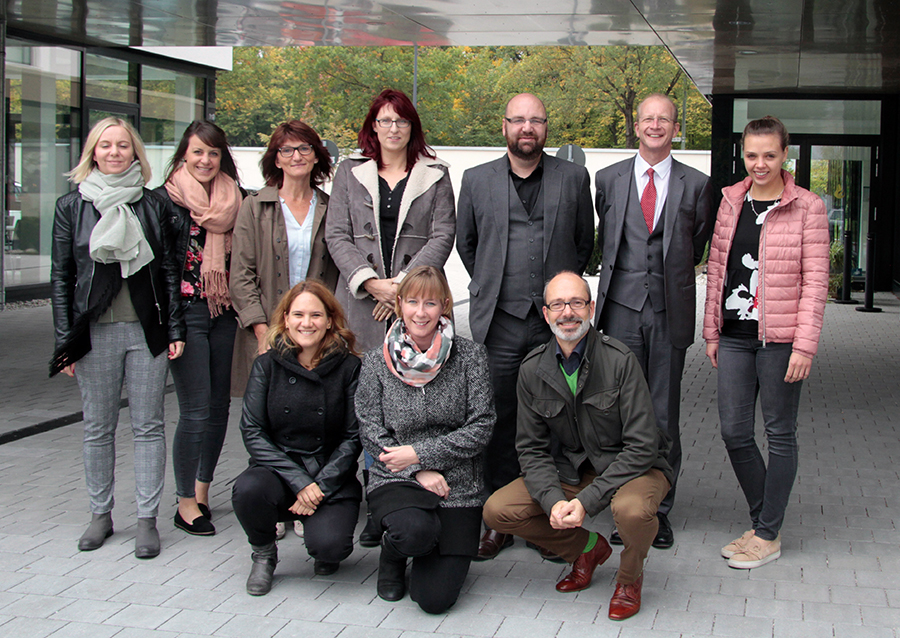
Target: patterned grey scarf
x,y
118,236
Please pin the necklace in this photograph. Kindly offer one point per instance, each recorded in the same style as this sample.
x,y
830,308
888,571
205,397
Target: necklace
x,y
758,213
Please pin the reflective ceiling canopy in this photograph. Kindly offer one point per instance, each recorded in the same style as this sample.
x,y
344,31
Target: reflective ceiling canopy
x,y
833,46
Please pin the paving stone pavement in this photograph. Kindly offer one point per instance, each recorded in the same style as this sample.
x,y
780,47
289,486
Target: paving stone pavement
x,y
839,574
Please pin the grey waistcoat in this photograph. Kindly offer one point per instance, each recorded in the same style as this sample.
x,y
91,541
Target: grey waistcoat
x,y
523,274
639,262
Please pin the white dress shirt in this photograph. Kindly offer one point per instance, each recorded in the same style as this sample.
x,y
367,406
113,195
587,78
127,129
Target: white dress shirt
x,y
661,174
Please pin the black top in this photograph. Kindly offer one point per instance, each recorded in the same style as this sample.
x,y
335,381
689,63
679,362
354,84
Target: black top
x,y
573,362
739,301
389,214
528,188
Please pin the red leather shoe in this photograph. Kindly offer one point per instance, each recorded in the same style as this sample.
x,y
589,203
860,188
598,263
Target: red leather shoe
x,y
492,543
583,567
626,602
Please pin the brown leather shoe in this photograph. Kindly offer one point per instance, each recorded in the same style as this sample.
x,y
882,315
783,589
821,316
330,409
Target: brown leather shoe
x,y
626,602
492,543
583,567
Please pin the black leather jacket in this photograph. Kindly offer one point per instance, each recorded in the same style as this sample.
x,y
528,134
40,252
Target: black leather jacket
x,y
77,281
302,423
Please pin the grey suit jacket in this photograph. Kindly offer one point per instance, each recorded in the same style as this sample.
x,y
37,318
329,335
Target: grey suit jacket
x,y
482,229
688,223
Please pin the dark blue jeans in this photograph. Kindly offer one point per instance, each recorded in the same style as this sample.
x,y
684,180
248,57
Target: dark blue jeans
x,y
748,370
203,382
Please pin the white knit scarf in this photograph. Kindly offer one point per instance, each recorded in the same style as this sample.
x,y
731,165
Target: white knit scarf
x,y
118,236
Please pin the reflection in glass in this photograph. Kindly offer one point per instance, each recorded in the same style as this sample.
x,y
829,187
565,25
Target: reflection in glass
x,y
819,117
43,142
841,175
170,101
110,79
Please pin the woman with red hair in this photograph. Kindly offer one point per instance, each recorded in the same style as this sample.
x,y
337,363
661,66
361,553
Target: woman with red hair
x,y
391,209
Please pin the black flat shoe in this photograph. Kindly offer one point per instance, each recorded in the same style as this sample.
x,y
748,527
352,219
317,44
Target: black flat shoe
x,y
665,538
322,568
614,538
200,526
204,509
371,534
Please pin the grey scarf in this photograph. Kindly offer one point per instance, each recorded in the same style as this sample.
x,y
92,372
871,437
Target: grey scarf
x,y
118,236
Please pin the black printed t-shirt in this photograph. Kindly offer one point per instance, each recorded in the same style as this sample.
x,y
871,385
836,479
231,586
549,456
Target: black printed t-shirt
x,y
740,304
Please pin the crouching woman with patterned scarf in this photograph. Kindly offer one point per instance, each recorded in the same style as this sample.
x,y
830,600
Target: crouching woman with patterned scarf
x,y
426,413
117,319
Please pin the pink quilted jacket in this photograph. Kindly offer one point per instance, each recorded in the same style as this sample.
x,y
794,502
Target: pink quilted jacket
x,y
793,268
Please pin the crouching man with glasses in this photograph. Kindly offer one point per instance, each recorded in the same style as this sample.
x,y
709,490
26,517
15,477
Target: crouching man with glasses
x,y
588,391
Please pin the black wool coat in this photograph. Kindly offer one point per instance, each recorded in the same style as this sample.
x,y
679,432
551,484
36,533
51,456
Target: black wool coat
x,y
302,423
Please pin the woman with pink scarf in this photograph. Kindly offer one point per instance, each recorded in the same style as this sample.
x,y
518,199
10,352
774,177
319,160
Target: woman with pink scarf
x,y
203,199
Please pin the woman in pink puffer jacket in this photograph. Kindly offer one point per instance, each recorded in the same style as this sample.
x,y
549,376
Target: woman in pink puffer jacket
x,y
765,301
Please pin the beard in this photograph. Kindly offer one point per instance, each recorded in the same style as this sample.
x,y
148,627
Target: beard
x,y
574,335
513,144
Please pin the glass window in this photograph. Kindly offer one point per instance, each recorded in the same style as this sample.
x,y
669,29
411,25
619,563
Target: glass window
x,y
43,142
110,79
838,117
170,101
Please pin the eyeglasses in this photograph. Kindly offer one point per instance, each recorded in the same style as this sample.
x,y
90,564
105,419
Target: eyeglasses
x,y
288,151
519,121
574,304
388,123
663,121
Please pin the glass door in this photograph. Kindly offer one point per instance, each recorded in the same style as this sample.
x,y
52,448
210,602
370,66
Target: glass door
x,y
842,177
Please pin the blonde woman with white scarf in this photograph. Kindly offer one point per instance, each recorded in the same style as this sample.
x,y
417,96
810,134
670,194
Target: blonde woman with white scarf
x,y
117,319
202,197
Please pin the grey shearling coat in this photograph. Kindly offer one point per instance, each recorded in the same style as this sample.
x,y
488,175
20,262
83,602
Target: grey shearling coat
x,y
260,270
426,229
448,421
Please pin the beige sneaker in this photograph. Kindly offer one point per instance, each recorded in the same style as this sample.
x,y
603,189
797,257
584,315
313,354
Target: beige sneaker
x,y
279,530
298,528
737,544
756,553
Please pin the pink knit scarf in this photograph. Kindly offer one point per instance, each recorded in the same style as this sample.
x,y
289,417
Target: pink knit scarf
x,y
215,213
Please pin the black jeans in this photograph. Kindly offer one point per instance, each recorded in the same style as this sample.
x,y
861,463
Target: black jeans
x,y
435,580
261,498
202,376
508,340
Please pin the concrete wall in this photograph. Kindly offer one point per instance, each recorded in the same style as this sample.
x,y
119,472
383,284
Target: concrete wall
x,y
461,158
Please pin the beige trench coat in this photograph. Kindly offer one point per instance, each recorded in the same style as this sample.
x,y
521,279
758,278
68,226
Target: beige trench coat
x,y
260,270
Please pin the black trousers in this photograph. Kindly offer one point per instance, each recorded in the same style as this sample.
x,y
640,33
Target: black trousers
x,y
435,580
508,340
261,498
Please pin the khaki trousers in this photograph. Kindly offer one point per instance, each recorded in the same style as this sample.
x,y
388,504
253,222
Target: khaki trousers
x,y
511,510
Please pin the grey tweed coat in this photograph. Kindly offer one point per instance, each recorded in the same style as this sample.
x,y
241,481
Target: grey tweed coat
x,y
448,421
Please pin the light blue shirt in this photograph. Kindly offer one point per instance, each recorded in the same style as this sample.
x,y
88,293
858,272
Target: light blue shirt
x,y
299,240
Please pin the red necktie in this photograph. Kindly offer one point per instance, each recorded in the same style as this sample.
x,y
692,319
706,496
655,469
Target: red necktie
x,y
648,201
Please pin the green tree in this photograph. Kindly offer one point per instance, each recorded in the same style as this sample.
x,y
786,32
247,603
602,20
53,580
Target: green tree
x,y
590,92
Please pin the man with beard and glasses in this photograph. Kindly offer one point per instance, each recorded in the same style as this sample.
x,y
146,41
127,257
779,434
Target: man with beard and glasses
x,y
586,392
520,219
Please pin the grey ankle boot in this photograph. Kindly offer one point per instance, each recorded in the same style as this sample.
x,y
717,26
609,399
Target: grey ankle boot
x,y
146,541
264,558
99,530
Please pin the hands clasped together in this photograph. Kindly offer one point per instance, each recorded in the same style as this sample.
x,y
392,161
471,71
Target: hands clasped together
x,y
397,459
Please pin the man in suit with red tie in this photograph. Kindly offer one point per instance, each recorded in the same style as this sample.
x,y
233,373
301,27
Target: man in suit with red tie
x,y
655,217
